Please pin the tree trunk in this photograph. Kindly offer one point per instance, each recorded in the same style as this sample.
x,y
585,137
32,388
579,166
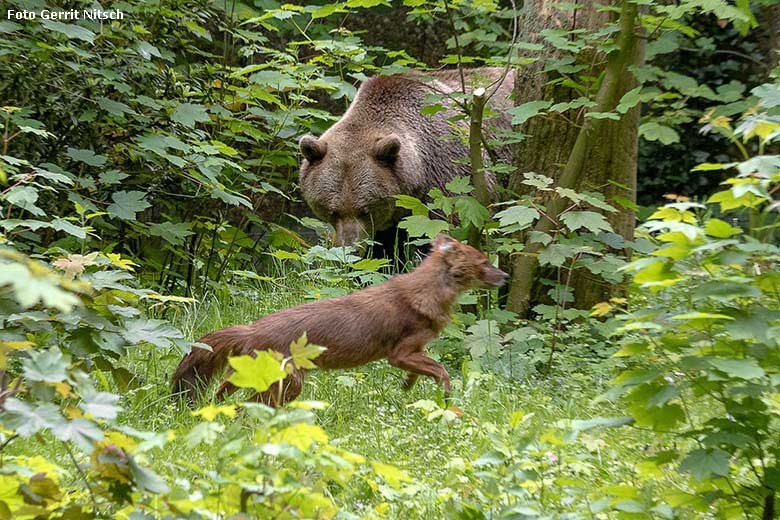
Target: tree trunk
x,y
583,154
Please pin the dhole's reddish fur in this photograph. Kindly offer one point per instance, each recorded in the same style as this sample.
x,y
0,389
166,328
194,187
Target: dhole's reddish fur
x,y
394,320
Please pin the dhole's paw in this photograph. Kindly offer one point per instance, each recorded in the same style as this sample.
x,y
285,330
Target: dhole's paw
x,y
411,379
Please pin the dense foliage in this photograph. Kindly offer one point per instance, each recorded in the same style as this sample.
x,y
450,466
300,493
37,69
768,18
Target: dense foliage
x,y
148,195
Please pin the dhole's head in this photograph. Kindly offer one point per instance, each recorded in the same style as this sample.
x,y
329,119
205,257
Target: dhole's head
x,y
467,266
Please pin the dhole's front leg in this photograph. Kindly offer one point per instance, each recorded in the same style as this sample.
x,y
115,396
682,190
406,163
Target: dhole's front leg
x,y
409,356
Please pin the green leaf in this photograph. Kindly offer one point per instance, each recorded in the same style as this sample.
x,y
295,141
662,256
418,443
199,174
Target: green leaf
x,y
629,100
27,419
205,432
708,167
420,225
146,479
366,3
114,107
369,264
49,366
171,232
258,372
127,204
147,50
82,432
603,115
24,197
391,474
483,338
303,352
688,316
555,254
471,211
60,224
768,94
87,156
704,463
157,332
71,30
101,405
459,185
739,368
653,131
31,288
590,220
188,114
412,203
517,217
522,113
763,164
326,10
229,198
430,110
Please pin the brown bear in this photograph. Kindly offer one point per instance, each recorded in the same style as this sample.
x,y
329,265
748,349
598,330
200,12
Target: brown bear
x,y
384,146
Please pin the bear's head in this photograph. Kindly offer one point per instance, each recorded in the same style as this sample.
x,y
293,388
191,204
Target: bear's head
x,y
349,177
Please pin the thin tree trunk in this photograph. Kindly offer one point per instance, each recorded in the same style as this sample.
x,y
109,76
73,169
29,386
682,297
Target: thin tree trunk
x,y
600,156
481,188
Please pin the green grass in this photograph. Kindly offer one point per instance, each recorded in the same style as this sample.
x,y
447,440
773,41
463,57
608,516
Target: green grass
x,y
370,414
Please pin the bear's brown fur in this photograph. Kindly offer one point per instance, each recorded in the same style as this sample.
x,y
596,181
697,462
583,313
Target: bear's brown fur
x,y
384,146
394,320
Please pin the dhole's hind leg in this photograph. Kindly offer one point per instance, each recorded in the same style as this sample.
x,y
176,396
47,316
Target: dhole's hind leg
x,y
277,396
411,379
282,392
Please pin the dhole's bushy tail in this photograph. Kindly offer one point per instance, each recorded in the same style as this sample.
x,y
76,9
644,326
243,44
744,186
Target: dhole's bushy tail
x,y
198,368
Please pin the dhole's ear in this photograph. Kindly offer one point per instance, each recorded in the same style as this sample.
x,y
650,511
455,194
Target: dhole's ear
x,y
443,243
386,149
311,148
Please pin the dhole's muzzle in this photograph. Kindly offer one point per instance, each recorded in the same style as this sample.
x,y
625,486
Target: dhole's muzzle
x,y
493,278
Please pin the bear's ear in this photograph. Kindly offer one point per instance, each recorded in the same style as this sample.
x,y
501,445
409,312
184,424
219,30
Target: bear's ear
x,y
386,149
311,148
